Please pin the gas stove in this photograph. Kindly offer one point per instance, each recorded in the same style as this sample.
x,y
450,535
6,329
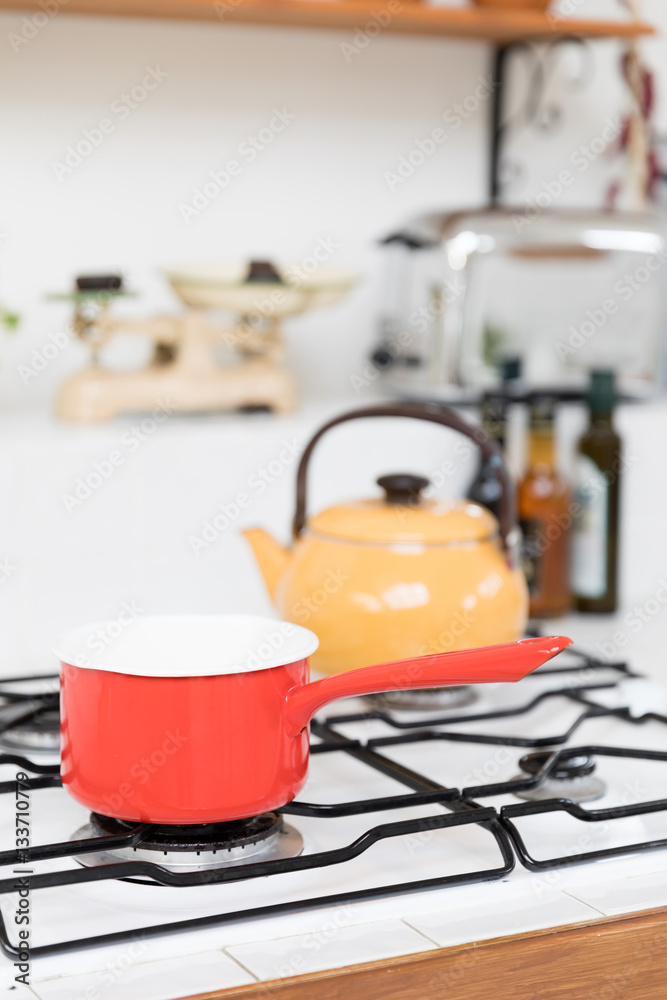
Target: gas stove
x,y
29,716
564,769
186,849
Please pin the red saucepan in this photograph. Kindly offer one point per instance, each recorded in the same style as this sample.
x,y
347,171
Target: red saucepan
x,y
203,719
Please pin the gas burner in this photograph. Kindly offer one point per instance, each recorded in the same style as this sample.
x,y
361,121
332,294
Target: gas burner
x,y
572,779
425,699
37,734
196,848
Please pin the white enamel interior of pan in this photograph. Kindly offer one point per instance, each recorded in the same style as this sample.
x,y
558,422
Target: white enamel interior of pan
x,y
186,645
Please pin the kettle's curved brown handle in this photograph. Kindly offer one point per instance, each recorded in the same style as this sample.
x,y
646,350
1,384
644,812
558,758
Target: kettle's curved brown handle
x,y
418,411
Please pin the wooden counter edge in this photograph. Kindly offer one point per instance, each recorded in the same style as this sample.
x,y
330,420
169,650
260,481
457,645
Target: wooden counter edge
x,y
621,957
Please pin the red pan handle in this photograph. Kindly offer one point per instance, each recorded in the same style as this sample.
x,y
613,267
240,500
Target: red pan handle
x,y
508,662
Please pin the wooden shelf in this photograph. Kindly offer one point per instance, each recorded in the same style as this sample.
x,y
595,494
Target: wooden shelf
x,y
413,17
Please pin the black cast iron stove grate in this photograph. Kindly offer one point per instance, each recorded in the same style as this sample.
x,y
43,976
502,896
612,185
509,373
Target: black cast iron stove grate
x,y
29,714
459,807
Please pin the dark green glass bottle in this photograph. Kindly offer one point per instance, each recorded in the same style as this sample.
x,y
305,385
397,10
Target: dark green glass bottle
x,y
486,488
595,539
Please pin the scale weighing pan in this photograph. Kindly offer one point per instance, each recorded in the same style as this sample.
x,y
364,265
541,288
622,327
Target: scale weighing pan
x,y
225,287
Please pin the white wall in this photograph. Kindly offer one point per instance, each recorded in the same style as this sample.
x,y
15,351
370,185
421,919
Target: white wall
x,y
322,176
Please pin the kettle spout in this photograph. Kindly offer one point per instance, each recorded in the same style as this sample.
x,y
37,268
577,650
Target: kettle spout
x,y
272,557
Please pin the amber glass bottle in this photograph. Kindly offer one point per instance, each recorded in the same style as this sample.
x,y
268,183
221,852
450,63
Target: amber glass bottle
x,y
595,539
545,515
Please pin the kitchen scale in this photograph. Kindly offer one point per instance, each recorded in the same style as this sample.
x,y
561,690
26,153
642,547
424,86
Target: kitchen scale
x,y
223,351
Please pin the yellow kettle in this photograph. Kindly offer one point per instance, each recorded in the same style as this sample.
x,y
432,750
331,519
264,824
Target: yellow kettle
x,y
398,575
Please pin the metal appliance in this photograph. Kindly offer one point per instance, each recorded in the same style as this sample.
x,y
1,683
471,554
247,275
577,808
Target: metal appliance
x,y
565,292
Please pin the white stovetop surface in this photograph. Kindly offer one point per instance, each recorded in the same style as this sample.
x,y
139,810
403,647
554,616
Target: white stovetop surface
x,y
175,966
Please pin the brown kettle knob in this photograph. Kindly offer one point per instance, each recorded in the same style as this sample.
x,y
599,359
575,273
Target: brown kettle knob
x,y
402,488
